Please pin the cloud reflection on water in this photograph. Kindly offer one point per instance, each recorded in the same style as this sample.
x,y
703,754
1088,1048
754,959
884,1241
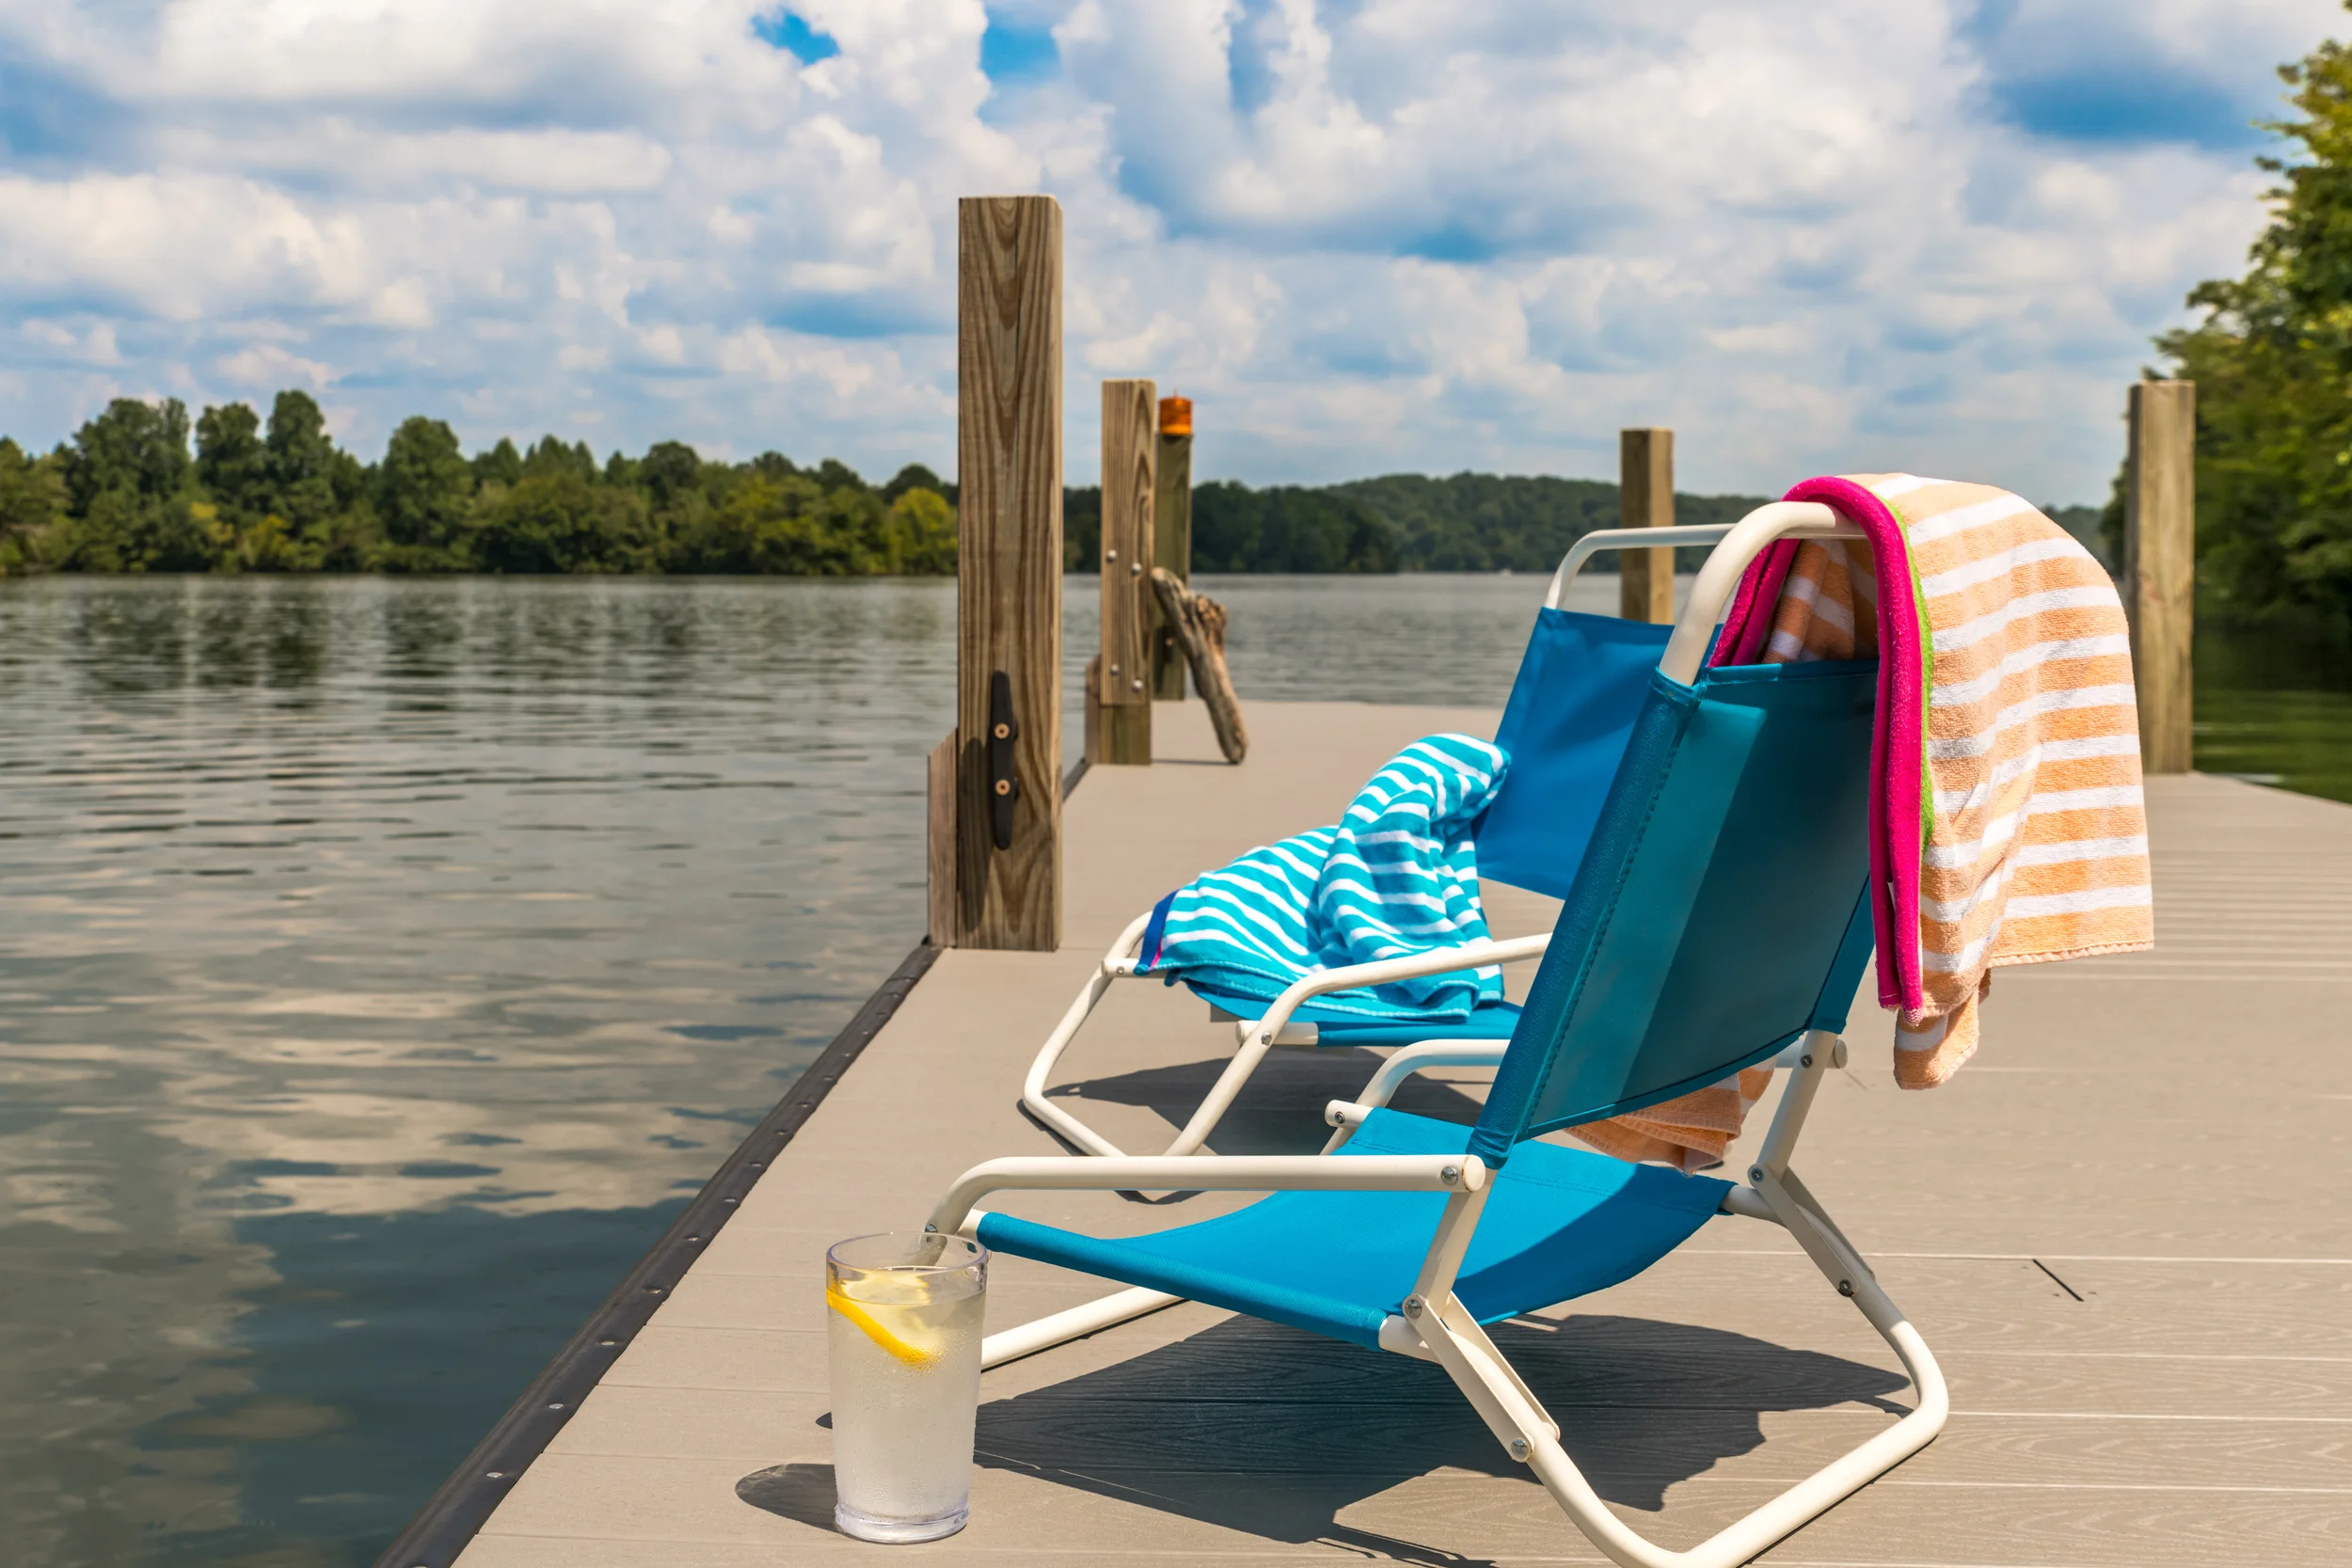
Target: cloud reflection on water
x,y
383,960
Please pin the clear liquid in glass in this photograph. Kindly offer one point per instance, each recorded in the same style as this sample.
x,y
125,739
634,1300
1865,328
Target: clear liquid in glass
x,y
903,1321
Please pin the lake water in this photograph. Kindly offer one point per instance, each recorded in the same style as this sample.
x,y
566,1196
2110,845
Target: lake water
x,y
382,962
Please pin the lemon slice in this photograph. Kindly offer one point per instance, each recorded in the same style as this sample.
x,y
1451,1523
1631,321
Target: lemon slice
x,y
913,1354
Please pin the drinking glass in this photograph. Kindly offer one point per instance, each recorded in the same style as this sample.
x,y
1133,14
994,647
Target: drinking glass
x,y
903,1322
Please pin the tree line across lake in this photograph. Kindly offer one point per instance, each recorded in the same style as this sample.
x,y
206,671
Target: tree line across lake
x,y
142,488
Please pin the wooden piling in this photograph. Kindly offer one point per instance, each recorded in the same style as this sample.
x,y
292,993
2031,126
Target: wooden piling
x,y
2160,566
1130,493
1645,498
1008,419
1171,540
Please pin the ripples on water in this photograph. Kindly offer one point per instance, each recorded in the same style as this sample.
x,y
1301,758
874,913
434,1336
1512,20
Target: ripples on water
x,y
382,961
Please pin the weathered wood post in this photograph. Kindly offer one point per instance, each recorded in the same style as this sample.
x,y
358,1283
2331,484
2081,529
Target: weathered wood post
x,y
1171,541
1123,676
2160,566
1645,498
1007,810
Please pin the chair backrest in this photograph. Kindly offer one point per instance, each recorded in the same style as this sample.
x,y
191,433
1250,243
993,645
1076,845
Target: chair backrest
x,y
1580,687
1717,910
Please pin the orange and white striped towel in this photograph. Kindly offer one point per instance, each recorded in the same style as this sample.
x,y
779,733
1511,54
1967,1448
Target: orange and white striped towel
x,y
2035,841
2036,844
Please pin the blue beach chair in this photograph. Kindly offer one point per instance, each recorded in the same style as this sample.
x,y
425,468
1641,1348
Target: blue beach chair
x,y
1716,920
1564,727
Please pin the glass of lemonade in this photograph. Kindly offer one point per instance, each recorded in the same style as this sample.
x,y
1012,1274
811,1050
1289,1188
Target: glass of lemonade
x,y
903,1321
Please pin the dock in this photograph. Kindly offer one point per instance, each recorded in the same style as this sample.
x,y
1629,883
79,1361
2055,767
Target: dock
x,y
2118,1228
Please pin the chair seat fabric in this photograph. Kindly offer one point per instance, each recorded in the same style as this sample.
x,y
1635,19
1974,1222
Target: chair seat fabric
x,y
1560,1223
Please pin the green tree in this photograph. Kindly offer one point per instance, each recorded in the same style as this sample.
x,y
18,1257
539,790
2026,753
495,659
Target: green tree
x,y
134,447
919,535
2272,360
671,471
551,456
231,463
789,526
501,465
561,522
131,498
301,463
32,504
914,476
424,489
1286,529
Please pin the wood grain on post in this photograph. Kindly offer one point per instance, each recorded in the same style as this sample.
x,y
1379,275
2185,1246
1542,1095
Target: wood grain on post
x,y
1130,481
1171,540
2160,566
1645,498
1008,416
940,844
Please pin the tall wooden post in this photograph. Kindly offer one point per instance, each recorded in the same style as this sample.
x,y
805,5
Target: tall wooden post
x,y
2160,566
1007,820
1130,481
1171,541
1645,498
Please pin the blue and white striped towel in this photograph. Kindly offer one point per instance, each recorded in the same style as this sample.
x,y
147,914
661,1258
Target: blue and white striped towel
x,y
1397,876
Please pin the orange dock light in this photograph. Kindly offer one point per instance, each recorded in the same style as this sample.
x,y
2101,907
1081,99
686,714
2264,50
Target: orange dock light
x,y
1175,416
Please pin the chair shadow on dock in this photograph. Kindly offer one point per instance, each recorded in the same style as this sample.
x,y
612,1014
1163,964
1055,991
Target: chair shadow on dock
x,y
1282,1112
1264,1429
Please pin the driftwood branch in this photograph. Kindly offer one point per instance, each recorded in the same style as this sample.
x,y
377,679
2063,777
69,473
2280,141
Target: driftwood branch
x,y
1198,623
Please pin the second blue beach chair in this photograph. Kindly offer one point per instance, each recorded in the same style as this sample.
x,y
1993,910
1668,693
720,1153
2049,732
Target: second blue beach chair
x,y
1564,727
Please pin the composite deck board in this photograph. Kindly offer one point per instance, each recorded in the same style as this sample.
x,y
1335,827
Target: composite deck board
x,y
2118,1228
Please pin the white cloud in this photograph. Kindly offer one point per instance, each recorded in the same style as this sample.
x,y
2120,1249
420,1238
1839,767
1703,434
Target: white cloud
x,y
1363,234
268,367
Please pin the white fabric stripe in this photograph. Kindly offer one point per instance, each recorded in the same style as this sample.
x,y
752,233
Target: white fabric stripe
x,y
1954,747
1962,518
1397,877
1951,911
2038,906
1903,485
2018,660
1969,633
2080,849
1997,833
1952,801
2001,565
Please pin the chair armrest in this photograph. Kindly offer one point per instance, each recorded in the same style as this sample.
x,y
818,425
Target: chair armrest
x,y
1437,960
1348,1115
1246,1173
1440,960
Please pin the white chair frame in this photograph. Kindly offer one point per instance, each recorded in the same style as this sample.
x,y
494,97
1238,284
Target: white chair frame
x,y
1736,544
1434,1326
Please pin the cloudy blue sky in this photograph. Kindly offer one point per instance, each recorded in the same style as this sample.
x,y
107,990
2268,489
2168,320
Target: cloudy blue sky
x,y
1364,234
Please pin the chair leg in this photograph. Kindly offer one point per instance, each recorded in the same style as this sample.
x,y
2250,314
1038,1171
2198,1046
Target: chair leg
x,y
1082,1137
1535,1441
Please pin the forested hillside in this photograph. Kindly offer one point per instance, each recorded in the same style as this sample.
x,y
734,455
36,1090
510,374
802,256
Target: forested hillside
x,y
142,488
128,494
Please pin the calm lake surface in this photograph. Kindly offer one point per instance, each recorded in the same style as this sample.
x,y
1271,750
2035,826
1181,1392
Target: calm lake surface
x,y
383,962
